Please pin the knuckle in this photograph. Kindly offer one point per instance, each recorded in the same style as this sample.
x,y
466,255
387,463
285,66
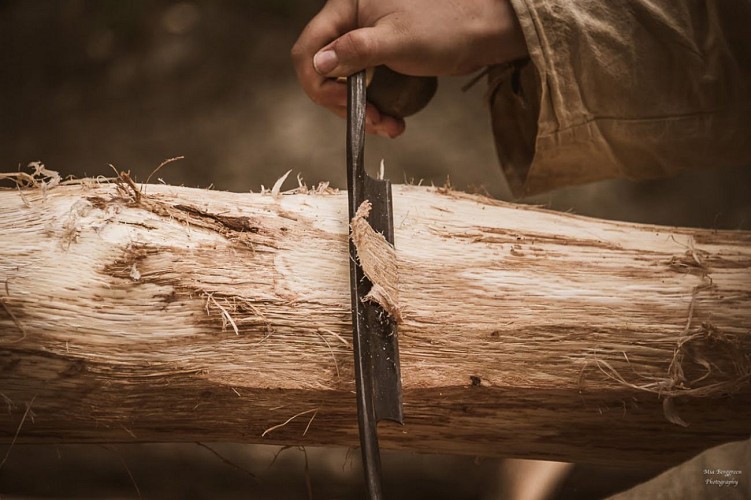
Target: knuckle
x,y
358,46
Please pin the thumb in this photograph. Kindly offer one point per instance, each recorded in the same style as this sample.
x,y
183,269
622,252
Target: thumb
x,y
354,51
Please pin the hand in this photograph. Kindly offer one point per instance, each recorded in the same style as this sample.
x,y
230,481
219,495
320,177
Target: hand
x,y
413,37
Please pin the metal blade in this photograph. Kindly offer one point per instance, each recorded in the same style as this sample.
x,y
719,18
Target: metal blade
x,y
377,375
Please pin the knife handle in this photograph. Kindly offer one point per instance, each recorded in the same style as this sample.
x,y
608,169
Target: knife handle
x,y
399,95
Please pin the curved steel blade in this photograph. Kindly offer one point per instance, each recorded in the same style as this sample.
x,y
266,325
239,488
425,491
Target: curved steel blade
x,y
377,373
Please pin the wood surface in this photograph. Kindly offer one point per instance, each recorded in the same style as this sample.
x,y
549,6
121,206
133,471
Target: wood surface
x,y
136,312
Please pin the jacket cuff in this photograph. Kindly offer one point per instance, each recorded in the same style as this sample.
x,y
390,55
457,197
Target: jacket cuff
x,y
626,88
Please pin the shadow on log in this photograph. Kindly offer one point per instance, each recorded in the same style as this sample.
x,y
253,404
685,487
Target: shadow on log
x,y
158,313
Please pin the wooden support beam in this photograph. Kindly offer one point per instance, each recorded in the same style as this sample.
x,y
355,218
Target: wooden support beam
x,y
160,313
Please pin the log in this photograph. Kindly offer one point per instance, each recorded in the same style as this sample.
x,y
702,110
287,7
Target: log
x,y
134,313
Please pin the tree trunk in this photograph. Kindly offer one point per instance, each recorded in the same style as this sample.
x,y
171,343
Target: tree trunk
x,y
160,313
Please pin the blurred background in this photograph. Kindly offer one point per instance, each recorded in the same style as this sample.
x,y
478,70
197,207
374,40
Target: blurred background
x,y
85,84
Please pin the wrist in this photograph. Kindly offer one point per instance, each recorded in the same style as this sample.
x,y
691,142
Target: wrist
x,y
499,35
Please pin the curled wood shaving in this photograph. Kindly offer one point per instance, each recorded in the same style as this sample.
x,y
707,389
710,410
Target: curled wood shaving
x,y
27,413
378,260
226,317
314,411
276,188
727,368
41,177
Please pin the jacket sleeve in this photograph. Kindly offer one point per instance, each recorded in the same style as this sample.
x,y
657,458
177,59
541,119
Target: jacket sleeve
x,y
719,472
624,88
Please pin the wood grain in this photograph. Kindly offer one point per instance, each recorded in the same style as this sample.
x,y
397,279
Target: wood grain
x,y
180,314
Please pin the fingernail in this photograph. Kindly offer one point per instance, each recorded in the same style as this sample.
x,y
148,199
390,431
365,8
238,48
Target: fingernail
x,y
325,61
383,133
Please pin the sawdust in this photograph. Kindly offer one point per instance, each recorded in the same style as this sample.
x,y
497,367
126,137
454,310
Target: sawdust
x,y
379,263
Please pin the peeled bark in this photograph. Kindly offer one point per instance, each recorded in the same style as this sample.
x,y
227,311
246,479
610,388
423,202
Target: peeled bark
x,y
160,313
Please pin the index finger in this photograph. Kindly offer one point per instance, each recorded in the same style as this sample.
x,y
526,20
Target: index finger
x,y
336,18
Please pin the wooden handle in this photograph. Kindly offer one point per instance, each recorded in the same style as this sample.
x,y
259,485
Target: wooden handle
x,y
400,95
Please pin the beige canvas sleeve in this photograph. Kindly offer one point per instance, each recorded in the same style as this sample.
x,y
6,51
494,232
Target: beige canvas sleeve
x,y
624,88
720,472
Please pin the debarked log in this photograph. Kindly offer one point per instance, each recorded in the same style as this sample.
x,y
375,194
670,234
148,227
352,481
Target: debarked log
x,y
159,313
